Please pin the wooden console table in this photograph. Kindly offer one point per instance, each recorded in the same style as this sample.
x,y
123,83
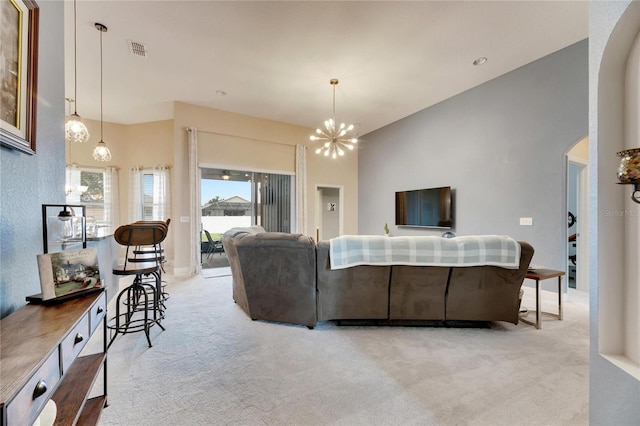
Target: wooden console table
x,y
40,360
544,274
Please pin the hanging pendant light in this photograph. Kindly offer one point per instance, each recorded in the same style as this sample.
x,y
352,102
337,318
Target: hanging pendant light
x,y
334,138
74,129
101,152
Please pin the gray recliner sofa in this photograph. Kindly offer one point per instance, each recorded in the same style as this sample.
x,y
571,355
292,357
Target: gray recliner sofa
x,y
417,293
288,278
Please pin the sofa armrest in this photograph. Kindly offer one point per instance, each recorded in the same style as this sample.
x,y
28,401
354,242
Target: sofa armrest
x,y
228,243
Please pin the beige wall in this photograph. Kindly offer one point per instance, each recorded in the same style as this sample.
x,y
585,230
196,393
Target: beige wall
x,y
144,145
114,135
238,153
226,140
148,145
580,150
259,145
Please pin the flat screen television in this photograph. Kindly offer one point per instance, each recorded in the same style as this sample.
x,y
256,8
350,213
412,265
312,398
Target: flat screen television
x,y
430,208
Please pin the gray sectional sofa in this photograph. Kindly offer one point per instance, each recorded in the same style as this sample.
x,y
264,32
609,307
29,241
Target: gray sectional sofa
x,y
288,278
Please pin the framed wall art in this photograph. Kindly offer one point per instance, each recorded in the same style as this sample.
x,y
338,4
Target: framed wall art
x,y
18,74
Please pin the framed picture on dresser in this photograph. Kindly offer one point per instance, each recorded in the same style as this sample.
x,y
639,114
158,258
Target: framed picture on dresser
x,y
69,273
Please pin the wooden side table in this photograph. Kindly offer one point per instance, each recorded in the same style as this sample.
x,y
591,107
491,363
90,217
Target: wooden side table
x,y
539,275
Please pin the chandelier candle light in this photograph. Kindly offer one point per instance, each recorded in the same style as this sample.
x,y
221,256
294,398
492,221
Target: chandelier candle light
x,y
74,129
334,138
101,152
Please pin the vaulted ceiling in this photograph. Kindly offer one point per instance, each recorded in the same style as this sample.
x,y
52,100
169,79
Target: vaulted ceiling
x,y
274,59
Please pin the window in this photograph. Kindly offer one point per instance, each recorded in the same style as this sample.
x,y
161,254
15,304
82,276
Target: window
x,y
147,196
97,189
93,197
149,189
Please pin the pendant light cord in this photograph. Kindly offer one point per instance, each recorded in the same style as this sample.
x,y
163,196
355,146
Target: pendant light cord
x,y
101,152
334,83
334,103
101,84
75,59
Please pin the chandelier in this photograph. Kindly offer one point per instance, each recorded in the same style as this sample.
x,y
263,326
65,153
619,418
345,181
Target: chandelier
x,y
334,138
101,152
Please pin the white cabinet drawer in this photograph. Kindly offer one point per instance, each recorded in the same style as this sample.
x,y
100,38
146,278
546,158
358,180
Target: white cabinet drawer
x,y
74,342
98,311
24,408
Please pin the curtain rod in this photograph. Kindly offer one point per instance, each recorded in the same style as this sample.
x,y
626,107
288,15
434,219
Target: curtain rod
x,y
166,166
240,137
90,167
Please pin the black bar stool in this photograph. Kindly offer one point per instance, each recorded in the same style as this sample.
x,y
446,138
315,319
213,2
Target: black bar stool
x,y
142,298
153,254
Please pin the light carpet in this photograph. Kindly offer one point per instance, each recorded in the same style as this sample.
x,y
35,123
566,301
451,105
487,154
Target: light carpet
x,y
216,272
214,366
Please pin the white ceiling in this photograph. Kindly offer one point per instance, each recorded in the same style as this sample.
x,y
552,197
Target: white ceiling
x,y
274,59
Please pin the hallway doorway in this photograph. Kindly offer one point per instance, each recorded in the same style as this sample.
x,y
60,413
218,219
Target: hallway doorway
x,y
577,272
329,212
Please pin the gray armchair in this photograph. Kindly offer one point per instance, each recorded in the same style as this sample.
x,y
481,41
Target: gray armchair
x,y
275,276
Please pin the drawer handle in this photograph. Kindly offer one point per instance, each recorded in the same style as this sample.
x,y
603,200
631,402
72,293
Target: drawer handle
x,y
100,309
40,389
79,338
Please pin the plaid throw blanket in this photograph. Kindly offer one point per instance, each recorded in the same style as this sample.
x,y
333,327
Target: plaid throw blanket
x,y
353,250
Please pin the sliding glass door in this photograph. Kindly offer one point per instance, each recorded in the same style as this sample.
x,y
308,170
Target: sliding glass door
x,y
272,201
268,203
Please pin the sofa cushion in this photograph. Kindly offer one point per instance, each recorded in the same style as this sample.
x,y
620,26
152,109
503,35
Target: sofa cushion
x,y
418,292
357,293
487,293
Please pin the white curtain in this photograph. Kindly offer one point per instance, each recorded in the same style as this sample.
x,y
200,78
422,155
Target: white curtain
x,y
73,184
135,194
111,197
194,211
301,189
161,193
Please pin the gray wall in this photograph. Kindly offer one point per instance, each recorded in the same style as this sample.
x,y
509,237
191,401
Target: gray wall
x,y
614,395
501,146
27,182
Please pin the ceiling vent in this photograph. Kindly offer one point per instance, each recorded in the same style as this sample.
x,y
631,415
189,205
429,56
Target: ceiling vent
x,y
137,49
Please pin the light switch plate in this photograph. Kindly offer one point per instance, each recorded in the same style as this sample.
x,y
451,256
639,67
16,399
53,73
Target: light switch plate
x,y
526,221
184,218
